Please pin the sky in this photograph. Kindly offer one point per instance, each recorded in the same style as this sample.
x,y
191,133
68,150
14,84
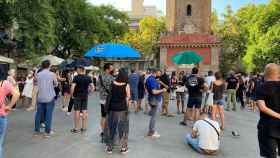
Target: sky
x,y
219,5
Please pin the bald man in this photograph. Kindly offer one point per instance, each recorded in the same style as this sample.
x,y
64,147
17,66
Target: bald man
x,y
268,101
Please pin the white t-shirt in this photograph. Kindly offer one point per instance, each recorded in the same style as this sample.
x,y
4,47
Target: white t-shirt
x,y
209,80
207,136
180,89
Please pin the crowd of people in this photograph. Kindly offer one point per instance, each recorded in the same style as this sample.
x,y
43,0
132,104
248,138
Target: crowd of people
x,y
200,99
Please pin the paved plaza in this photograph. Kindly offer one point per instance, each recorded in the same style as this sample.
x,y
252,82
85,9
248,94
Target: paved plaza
x,y
21,144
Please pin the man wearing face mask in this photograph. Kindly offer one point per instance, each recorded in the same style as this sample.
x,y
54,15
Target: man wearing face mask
x,y
105,81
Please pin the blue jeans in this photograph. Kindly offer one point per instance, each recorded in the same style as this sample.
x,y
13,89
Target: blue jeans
x,y
3,131
193,142
153,114
47,110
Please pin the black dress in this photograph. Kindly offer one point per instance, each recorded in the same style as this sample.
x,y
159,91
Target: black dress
x,y
118,120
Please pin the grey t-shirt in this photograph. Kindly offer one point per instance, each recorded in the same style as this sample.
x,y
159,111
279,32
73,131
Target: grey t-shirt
x,y
46,81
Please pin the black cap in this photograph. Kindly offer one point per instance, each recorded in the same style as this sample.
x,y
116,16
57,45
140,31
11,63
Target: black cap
x,y
154,70
195,70
80,67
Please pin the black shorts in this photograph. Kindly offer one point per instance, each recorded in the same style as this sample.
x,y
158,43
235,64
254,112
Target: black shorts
x,y
268,144
103,111
194,102
80,104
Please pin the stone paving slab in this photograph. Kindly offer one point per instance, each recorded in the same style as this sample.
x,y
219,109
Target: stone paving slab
x,y
21,144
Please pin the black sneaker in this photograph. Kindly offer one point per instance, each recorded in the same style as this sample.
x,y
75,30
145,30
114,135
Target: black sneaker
x,y
83,130
124,150
101,134
74,131
183,123
109,150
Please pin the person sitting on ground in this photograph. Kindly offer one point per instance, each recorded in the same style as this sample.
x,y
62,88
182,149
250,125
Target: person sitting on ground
x,y
205,136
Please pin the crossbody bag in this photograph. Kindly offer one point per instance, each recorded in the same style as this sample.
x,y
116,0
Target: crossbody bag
x,y
153,99
214,128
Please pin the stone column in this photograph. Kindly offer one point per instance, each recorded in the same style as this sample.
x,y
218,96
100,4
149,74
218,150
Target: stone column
x,y
163,57
215,57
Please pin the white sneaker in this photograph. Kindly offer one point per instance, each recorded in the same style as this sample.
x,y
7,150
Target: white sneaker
x,y
156,135
43,125
65,109
52,132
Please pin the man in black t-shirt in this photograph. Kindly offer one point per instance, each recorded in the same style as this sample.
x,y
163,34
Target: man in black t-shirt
x,y
232,86
81,86
268,101
196,85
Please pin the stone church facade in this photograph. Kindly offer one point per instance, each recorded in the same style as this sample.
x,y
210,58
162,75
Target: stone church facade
x,y
188,24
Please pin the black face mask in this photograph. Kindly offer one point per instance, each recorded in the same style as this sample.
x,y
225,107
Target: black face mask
x,y
112,72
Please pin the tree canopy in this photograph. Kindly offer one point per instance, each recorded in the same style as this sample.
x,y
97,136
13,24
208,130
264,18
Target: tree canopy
x,y
145,38
61,27
250,37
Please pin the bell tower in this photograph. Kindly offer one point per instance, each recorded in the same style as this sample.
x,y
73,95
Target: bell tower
x,y
188,16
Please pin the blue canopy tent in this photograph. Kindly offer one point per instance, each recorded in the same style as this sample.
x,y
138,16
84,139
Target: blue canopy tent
x,y
113,50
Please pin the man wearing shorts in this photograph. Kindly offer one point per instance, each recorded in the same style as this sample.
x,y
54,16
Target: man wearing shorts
x,y
196,86
81,86
105,81
268,101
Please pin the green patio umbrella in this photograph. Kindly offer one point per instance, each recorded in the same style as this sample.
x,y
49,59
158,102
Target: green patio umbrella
x,y
187,57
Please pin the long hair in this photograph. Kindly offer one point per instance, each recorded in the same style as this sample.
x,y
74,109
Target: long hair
x,y
2,74
240,80
122,76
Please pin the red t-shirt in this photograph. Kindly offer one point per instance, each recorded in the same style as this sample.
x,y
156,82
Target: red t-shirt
x,y
5,89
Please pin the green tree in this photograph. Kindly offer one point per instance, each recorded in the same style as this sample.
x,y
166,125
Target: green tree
x,y
7,13
7,19
214,22
229,34
36,26
146,37
263,44
80,25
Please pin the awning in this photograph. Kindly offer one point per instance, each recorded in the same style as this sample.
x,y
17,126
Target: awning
x,y
92,68
6,60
